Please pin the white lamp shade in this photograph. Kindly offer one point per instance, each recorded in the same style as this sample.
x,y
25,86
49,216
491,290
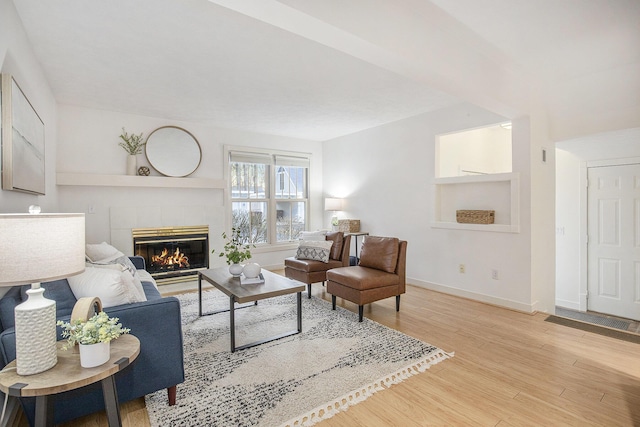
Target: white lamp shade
x,y
40,247
332,204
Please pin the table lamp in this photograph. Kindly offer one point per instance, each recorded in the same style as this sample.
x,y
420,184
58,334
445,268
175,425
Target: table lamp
x,y
38,248
333,204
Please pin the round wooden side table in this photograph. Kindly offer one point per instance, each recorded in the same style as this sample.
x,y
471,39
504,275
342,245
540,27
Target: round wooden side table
x,y
68,375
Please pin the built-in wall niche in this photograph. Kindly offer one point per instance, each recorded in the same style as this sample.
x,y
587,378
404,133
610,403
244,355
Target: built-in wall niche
x,y
480,151
497,192
473,172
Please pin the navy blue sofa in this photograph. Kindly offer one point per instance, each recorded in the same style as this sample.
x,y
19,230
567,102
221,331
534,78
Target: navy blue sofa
x,y
155,322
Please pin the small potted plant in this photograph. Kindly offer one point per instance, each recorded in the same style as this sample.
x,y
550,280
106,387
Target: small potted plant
x,y
132,144
93,337
235,251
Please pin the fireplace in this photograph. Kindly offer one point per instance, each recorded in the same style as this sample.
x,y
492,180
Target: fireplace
x,y
173,254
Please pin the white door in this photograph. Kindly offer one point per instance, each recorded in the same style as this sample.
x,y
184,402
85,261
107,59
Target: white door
x,y
613,214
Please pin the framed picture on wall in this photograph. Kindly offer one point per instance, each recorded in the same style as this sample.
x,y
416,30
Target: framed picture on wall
x,y
22,141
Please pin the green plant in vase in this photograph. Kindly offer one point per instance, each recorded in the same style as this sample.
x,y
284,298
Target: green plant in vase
x,y
235,251
132,144
93,336
99,329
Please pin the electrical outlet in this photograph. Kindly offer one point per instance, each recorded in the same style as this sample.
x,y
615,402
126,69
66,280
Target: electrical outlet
x,y
494,274
461,268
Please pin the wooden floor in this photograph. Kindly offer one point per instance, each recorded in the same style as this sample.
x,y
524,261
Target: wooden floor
x,y
509,369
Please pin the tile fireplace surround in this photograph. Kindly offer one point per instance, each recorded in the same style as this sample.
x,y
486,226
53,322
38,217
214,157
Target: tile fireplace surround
x,y
124,219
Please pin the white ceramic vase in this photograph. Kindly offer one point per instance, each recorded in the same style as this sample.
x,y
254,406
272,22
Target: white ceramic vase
x,y
132,164
251,270
92,355
235,270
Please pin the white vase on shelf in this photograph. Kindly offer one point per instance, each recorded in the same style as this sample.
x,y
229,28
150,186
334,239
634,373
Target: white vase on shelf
x,y
132,164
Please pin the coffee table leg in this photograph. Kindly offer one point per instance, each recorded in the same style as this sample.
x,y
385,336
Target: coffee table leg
x,y
232,324
299,311
199,294
111,405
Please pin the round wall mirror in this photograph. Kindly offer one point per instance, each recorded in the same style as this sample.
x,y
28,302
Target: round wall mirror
x,y
173,151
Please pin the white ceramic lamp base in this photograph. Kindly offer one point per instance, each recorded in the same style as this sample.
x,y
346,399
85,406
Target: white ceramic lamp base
x,y
35,333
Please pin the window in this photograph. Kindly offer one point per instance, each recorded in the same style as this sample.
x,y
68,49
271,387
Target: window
x,y
269,195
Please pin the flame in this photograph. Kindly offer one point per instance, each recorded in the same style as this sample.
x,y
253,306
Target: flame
x,y
176,259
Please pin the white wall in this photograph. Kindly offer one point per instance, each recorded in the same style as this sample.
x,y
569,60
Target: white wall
x,y
386,175
89,144
486,150
18,59
570,213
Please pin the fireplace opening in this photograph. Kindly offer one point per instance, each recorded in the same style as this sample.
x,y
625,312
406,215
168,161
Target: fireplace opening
x,y
173,254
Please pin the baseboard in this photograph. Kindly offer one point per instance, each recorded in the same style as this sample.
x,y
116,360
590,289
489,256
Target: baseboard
x,y
488,299
572,305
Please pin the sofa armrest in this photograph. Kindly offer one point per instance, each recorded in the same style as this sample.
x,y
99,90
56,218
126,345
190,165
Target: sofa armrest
x,y
138,262
157,324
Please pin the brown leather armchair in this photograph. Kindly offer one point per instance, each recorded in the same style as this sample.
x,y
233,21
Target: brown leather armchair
x,y
380,274
312,271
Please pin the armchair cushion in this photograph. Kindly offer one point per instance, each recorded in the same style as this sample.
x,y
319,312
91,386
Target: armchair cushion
x,y
380,253
362,278
337,238
310,266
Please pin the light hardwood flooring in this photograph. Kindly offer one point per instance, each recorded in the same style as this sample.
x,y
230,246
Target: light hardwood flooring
x,y
509,369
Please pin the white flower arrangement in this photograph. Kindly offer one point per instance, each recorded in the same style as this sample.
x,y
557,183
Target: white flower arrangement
x,y
100,328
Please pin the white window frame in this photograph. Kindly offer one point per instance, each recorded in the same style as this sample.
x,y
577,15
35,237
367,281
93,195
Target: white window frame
x,y
271,200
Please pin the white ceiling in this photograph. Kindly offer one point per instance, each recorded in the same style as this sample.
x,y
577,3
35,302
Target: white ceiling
x,y
321,69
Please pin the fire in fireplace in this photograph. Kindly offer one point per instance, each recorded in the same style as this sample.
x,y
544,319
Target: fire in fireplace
x,y
173,254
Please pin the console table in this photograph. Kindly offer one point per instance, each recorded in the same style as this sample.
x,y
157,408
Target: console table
x,y
67,375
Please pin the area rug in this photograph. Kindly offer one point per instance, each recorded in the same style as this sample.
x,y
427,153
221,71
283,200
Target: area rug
x,y
297,381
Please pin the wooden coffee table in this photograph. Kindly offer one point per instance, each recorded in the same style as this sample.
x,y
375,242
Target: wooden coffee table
x,y
274,285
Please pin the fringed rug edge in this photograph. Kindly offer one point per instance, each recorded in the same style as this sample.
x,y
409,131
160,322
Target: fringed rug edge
x,y
361,394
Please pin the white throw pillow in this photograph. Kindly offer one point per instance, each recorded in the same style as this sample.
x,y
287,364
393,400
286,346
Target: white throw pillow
x,y
144,276
316,236
108,284
101,252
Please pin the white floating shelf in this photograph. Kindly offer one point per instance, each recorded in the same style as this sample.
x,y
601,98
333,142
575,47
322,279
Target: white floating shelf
x,y
98,180
496,228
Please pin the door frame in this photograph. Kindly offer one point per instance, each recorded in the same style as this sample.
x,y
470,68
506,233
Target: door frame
x,y
584,194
